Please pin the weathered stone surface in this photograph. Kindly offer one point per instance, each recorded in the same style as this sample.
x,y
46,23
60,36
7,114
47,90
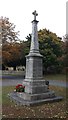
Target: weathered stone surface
x,y
34,42
34,82
36,86
33,68
20,101
36,89
32,97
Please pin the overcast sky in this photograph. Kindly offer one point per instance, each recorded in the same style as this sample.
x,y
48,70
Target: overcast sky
x,y
51,15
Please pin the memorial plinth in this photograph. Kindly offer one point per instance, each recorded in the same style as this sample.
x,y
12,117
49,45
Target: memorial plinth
x,y
36,89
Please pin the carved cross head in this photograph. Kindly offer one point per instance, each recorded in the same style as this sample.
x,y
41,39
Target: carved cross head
x,y
35,14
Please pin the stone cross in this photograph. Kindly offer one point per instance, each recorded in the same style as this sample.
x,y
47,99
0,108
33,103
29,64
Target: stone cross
x,y
35,14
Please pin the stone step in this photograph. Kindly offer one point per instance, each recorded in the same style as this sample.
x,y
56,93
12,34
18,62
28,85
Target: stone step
x,y
39,96
20,101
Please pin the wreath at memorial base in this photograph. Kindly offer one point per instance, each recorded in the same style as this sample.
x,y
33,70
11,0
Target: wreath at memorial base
x,y
20,88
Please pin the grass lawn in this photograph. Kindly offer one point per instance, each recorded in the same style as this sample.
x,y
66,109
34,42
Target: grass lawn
x,y
48,110
61,77
0,94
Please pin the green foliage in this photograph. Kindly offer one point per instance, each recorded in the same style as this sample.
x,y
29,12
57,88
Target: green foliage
x,y
51,47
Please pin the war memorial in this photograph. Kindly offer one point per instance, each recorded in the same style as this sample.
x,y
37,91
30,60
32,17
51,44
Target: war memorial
x,y
36,88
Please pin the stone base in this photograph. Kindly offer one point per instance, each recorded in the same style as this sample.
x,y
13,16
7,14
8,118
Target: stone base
x,y
36,92
26,99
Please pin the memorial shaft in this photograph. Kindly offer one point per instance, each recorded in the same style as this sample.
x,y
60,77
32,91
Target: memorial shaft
x,y
34,59
34,40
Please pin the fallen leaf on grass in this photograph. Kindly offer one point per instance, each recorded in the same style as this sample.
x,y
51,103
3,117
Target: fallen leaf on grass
x,y
4,115
11,114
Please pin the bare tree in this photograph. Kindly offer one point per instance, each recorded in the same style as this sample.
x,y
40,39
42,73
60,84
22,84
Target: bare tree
x,y
7,31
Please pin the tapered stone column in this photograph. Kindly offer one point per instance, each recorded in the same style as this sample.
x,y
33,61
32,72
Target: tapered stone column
x,y
34,42
34,58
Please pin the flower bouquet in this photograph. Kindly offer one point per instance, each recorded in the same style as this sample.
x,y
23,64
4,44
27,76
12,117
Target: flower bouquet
x,y
20,88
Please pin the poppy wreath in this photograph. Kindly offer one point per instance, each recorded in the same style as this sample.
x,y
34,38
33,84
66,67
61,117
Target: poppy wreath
x,y
20,88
